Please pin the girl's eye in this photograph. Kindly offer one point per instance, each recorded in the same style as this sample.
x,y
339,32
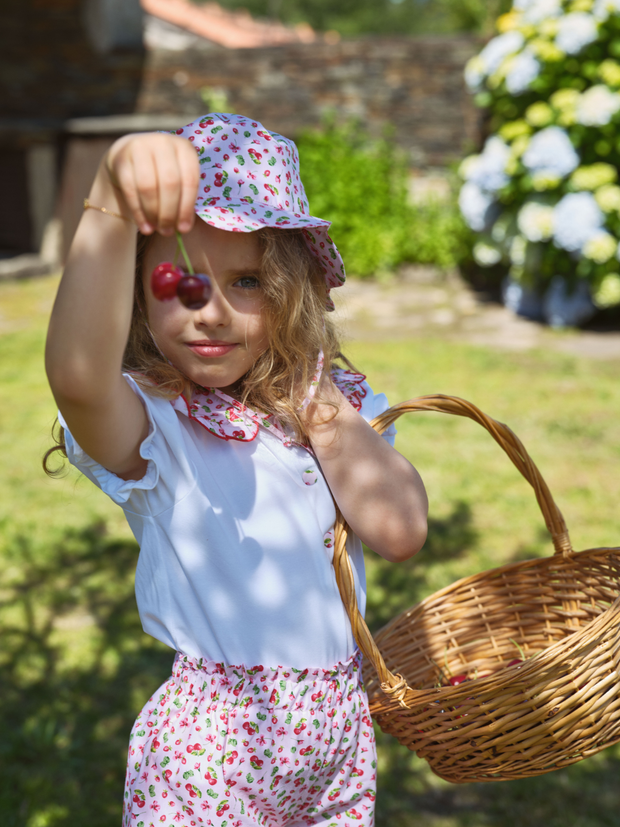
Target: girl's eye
x,y
248,283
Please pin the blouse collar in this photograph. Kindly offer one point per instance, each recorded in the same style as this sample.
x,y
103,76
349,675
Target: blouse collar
x,y
226,418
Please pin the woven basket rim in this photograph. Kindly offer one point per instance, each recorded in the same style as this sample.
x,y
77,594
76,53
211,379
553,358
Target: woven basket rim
x,y
468,579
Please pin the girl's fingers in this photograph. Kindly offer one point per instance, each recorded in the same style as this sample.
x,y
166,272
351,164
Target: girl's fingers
x,y
170,184
158,176
144,163
190,176
178,172
125,181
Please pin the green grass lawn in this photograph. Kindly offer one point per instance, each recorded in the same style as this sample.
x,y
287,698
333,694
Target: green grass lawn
x,y
76,666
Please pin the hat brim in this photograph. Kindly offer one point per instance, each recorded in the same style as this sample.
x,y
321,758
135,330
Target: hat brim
x,y
244,217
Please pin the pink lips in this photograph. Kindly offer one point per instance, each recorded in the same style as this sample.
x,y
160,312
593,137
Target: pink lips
x,y
211,349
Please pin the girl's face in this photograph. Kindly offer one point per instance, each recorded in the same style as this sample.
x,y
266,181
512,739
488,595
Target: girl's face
x,y
216,345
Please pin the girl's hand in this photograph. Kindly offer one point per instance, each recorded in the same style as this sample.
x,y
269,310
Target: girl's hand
x,y
157,176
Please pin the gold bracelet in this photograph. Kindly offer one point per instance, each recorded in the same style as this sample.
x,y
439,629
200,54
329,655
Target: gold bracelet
x,y
89,206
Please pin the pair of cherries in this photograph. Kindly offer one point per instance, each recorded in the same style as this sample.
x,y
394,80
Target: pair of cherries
x,y
169,281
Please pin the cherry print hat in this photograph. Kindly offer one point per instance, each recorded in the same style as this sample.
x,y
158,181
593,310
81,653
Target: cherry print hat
x,y
250,179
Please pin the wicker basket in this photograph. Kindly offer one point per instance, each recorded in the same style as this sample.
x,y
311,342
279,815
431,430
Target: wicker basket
x,y
561,705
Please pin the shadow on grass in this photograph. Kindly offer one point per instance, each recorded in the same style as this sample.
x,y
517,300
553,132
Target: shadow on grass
x,y
76,667
542,540
392,589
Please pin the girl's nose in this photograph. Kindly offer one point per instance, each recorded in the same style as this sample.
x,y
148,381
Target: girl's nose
x,y
216,312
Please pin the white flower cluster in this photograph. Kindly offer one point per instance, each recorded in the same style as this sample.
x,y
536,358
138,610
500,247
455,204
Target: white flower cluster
x,y
535,11
597,106
577,218
499,48
608,292
488,170
603,9
491,57
551,152
511,58
522,70
535,221
576,30
475,205
484,175
486,255
600,247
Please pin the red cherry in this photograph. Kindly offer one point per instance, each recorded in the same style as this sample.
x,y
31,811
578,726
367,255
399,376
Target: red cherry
x,y
194,291
515,662
164,280
455,680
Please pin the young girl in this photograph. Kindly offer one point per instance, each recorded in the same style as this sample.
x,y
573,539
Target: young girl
x,y
226,433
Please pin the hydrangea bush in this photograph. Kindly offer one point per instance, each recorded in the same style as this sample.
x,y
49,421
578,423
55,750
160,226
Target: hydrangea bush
x,y
543,196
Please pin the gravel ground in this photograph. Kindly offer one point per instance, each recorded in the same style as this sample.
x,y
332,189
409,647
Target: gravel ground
x,y
421,301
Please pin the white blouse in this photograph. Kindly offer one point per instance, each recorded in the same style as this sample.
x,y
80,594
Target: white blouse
x,y
235,536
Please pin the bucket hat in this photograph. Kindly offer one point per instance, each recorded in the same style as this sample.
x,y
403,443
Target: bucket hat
x,y
250,179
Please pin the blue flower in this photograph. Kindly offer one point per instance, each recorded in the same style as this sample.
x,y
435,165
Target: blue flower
x,y
475,205
488,170
551,152
523,70
576,219
576,30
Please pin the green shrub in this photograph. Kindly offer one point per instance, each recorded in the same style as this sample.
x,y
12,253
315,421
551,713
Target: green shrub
x,y
437,235
360,185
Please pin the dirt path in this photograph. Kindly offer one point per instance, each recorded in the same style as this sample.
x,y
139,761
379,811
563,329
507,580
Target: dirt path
x,y
423,302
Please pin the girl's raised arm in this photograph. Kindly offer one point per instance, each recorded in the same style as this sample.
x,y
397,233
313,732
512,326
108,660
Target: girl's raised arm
x,y
379,492
151,180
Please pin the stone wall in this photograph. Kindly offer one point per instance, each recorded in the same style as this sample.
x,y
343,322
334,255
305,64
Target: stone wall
x,y
416,84
67,59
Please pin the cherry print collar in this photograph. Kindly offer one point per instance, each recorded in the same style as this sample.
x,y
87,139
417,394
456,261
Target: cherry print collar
x,y
226,418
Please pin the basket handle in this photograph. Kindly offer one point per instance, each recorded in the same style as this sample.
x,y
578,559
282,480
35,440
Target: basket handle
x,y
396,685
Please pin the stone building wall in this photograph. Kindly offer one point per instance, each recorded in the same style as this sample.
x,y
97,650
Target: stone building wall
x,y
416,84
62,60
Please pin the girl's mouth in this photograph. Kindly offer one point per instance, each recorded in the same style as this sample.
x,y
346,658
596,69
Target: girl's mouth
x,y
211,349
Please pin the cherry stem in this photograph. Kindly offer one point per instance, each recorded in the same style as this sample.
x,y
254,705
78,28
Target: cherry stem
x,y
181,247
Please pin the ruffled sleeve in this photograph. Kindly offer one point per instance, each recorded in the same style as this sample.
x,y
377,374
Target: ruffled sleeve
x,y
361,396
154,449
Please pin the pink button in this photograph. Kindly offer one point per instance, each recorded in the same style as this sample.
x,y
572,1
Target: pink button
x,y
309,476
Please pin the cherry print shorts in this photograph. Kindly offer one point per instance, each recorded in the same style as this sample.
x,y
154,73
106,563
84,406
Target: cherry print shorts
x,y
228,746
